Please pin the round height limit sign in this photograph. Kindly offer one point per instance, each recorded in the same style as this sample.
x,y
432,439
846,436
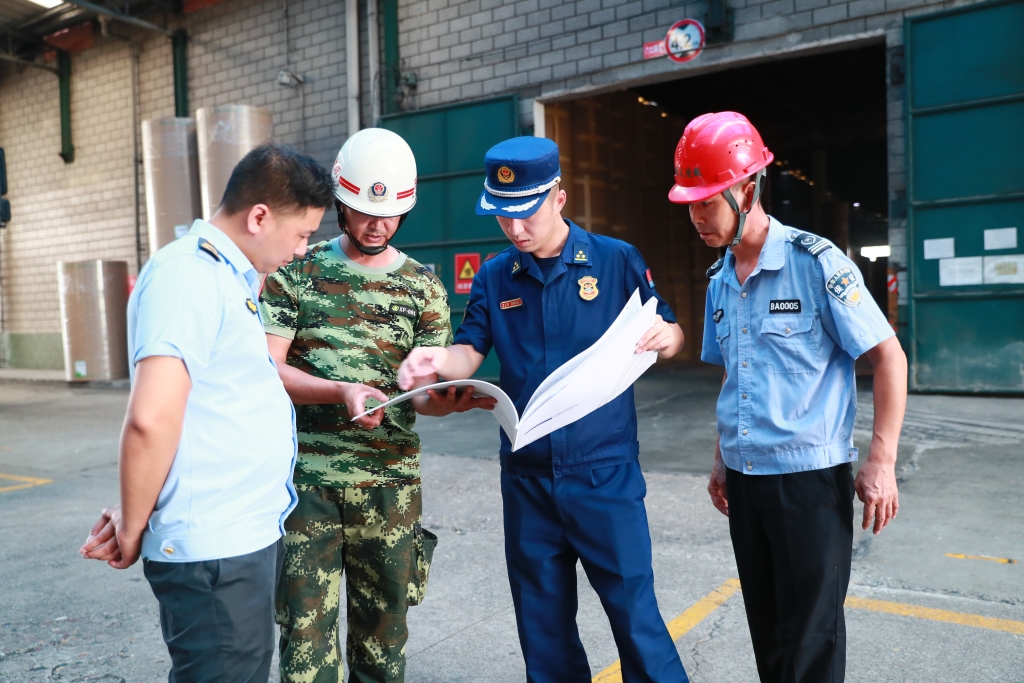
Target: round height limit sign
x,y
682,42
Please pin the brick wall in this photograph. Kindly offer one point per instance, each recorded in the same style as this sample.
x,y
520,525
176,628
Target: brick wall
x,y
85,210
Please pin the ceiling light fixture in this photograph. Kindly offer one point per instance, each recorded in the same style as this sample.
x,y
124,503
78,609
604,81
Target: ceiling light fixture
x,y
48,4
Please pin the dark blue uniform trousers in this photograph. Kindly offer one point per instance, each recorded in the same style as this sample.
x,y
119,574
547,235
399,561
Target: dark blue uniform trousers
x,y
597,517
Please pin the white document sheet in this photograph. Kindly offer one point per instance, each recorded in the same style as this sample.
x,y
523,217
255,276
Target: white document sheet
x,y
583,384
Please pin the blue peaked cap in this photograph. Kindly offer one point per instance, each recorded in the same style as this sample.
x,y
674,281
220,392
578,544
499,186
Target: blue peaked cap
x,y
520,174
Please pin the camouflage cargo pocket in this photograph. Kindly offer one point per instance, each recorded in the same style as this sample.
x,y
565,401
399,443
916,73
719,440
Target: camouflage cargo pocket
x,y
423,548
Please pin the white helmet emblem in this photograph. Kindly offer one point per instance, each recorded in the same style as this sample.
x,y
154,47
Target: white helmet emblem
x,y
377,192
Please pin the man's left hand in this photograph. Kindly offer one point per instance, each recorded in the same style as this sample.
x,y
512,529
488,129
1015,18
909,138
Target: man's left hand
x,y
665,338
876,487
452,401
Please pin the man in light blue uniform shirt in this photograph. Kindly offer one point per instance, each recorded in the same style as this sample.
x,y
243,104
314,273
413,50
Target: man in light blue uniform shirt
x,y
787,316
208,445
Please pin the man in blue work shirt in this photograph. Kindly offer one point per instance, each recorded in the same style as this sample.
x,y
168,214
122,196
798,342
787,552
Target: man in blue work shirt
x,y
786,315
578,493
208,445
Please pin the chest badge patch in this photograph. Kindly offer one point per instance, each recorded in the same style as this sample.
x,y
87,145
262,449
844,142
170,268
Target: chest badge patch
x,y
845,287
511,303
588,288
251,306
717,317
784,306
403,310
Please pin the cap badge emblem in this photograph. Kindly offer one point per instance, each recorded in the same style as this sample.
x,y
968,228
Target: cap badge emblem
x,y
588,288
506,175
377,192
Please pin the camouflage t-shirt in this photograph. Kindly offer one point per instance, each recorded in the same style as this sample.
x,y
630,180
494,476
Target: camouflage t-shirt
x,y
351,323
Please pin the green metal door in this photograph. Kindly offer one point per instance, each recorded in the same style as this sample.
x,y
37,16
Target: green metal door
x,y
449,143
965,190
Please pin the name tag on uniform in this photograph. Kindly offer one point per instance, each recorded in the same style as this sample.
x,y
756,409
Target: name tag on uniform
x,y
784,306
403,310
511,303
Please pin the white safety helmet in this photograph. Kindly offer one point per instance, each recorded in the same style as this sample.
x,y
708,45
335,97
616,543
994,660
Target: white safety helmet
x,y
375,173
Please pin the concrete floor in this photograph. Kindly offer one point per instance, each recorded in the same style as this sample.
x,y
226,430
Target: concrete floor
x,y
961,468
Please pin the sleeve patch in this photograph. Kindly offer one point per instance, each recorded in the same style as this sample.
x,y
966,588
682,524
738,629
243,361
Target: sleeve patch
x,y
650,280
844,286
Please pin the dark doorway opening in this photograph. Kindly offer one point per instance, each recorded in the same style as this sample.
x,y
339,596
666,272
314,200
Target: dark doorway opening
x,y
823,116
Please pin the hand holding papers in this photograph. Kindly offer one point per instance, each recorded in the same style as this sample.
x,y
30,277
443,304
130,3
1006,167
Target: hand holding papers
x,y
580,386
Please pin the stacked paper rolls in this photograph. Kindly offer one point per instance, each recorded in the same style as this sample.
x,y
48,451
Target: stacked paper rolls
x,y
226,134
171,166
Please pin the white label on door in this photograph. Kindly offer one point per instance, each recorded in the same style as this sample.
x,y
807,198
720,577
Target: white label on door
x,y
1001,238
80,370
1004,270
955,272
941,248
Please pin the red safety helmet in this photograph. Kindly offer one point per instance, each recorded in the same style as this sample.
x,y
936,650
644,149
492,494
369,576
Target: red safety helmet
x,y
716,152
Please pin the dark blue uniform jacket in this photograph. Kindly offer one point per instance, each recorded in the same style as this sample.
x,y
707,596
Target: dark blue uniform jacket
x,y
541,326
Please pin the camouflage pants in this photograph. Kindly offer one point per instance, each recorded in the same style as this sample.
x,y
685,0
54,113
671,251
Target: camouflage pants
x,y
373,537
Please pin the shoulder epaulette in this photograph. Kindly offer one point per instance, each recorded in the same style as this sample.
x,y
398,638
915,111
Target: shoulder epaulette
x,y
207,246
814,245
715,267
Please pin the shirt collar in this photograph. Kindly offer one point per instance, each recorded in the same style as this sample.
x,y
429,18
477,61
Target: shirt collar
x,y
578,239
772,256
773,253
224,244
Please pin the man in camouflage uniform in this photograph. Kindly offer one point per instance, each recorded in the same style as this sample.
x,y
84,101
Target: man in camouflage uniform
x,y
339,322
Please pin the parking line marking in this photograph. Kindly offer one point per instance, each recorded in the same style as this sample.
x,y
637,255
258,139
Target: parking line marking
x,y
681,625
961,556
26,482
703,608
931,614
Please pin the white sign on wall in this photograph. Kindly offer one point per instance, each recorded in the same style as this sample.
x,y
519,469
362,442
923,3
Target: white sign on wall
x,y
940,248
956,272
1004,270
1001,238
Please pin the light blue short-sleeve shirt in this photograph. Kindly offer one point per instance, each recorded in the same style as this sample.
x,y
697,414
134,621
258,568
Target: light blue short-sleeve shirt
x,y
788,338
230,486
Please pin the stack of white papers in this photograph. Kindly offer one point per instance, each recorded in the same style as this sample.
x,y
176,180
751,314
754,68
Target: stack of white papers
x,y
582,385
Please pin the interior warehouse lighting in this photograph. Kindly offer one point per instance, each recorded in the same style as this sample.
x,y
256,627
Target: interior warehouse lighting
x,y
872,253
48,4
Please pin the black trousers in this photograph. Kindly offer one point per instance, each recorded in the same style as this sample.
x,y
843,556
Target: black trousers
x,y
217,616
793,538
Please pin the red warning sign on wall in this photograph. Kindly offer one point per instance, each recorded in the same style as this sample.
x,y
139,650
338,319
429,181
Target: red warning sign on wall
x,y
466,267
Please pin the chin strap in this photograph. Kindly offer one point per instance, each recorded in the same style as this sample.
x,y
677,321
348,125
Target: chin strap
x,y
758,186
368,251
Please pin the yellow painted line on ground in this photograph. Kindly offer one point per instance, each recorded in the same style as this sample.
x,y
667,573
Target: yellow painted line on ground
x,y
961,556
905,610
685,622
681,625
25,482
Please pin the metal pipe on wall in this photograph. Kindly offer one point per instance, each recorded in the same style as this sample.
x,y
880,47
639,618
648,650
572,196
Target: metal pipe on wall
x,y
373,43
352,62
133,56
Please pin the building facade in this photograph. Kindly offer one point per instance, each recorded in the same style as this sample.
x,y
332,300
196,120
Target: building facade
x,y
824,81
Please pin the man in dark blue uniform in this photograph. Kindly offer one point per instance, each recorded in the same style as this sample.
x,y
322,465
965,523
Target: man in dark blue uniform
x,y
578,493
